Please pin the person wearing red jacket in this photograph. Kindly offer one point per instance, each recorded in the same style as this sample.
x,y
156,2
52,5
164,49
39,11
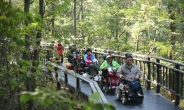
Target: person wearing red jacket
x,y
60,49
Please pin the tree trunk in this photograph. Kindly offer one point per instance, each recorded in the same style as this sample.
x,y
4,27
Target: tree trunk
x,y
137,44
172,49
26,56
117,23
29,83
74,19
82,17
52,22
39,33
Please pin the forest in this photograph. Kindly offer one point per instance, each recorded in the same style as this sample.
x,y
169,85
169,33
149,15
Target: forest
x,y
150,27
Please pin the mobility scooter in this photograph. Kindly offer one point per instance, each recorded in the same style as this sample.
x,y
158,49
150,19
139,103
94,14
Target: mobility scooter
x,y
109,82
129,91
77,64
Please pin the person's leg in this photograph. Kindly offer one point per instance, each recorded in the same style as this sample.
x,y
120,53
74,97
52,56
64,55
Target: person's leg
x,y
139,92
131,91
62,58
104,72
74,62
86,69
91,69
139,88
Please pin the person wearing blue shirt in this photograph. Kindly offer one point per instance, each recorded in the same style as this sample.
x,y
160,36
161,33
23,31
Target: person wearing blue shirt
x,y
91,62
89,57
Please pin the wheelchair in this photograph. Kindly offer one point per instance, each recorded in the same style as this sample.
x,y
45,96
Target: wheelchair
x,y
109,81
125,92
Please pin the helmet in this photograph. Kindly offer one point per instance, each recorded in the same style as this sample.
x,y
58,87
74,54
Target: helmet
x,y
109,56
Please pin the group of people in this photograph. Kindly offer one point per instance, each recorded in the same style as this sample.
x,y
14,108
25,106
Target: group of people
x,y
128,70
89,61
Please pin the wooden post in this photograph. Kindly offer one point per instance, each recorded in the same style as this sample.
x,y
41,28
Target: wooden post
x,y
148,74
177,77
158,76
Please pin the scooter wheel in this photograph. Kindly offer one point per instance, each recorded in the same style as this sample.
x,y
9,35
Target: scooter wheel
x,y
118,94
124,100
106,89
141,101
100,83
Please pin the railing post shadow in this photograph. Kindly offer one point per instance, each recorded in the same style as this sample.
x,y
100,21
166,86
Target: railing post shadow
x,y
158,77
148,74
58,83
177,77
77,86
66,78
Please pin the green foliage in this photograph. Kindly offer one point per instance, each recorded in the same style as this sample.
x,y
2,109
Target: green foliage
x,y
162,49
48,97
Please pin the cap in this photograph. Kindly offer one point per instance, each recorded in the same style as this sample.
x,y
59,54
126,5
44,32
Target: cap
x,y
109,56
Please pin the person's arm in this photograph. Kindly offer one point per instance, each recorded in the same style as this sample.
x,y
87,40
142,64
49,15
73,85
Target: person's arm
x,y
138,74
85,57
116,65
120,71
103,65
93,57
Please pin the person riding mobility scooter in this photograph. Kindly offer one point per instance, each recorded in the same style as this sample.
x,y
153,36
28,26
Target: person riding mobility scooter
x,y
75,60
109,81
130,88
91,64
